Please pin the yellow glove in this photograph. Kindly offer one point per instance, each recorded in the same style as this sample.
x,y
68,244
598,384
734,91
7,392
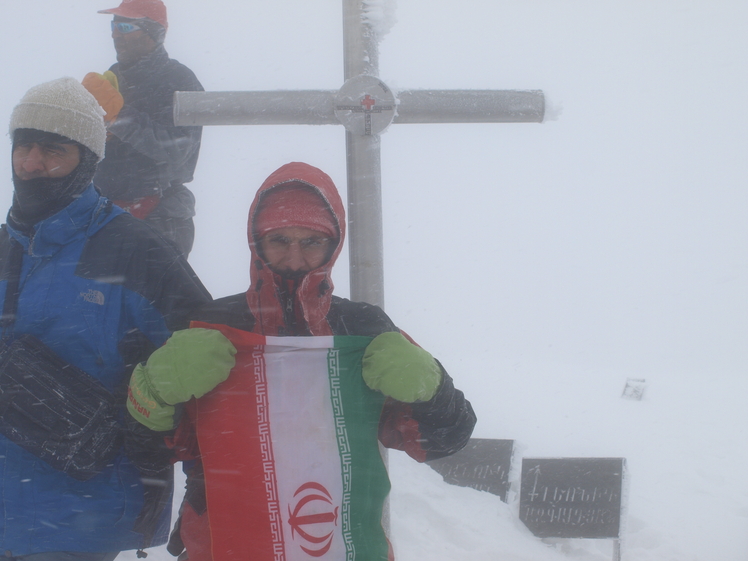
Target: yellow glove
x,y
111,77
105,88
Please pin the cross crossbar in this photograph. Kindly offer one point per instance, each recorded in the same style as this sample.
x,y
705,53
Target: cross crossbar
x,y
366,107
317,107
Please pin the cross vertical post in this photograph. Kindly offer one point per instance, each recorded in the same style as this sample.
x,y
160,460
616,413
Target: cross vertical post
x,y
365,106
363,165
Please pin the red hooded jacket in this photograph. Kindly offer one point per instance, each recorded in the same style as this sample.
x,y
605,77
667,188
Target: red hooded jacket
x,y
314,293
427,430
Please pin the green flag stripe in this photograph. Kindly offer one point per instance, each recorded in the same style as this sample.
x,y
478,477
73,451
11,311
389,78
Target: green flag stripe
x,y
365,482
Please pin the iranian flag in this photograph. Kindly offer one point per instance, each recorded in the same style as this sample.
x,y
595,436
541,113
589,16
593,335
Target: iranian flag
x,y
289,444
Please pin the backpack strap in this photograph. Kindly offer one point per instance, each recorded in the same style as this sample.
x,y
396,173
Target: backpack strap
x,y
12,289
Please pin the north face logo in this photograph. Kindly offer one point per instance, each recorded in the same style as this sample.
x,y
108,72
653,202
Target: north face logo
x,y
93,296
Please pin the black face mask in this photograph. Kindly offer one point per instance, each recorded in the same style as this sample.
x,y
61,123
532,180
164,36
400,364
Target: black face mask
x,y
39,198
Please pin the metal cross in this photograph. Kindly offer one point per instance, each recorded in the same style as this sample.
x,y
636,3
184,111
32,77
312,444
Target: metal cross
x,y
366,107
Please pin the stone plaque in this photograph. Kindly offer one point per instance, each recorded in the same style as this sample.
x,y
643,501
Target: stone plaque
x,y
483,464
572,497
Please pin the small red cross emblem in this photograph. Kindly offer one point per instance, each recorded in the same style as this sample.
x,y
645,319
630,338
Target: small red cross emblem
x,y
368,102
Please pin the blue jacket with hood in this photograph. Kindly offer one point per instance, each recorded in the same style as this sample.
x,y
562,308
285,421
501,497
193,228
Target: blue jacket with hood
x,y
101,289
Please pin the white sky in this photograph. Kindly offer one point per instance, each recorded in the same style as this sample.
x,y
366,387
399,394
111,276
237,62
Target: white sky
x,y
611,241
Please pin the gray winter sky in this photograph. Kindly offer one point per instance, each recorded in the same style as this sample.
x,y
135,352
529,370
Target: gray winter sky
x,y
613,236
610,240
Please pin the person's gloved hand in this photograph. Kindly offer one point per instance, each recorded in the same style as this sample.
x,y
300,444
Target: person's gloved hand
x,y
105,88
111,77
190,364
399,369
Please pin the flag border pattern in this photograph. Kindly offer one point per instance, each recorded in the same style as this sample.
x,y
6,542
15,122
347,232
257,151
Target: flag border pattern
x,y
344,449
266,449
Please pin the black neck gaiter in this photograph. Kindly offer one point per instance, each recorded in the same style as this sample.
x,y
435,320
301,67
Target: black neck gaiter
x,y
37,199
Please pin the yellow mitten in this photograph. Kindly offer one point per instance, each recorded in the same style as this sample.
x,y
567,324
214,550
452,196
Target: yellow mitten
x,y
111,77
104,88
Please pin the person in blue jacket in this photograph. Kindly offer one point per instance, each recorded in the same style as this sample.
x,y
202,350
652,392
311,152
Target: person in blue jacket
x,y
100,289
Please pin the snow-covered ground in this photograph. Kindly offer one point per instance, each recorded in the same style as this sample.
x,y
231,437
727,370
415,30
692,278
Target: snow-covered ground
x,y
544,265
687,496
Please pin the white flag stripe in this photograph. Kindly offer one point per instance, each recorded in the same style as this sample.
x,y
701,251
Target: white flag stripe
x,y
306,455
284,343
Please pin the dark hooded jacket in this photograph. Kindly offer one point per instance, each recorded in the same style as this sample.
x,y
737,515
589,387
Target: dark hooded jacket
x,y
146,154
425,431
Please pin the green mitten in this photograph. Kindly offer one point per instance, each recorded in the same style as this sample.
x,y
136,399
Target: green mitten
x,y
399,369
190,364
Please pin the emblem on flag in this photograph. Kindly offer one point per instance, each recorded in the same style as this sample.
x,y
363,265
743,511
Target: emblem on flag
x,y
309,494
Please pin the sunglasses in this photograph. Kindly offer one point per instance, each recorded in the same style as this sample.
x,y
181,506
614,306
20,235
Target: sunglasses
x,y
124,27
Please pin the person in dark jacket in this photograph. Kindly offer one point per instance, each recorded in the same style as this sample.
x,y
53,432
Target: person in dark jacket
x,y
296,229
100,290
148,159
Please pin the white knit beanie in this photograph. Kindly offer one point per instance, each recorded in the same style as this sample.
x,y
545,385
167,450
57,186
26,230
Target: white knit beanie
x,y
63,107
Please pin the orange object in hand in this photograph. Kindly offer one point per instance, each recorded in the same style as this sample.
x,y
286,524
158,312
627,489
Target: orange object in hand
x,y
105,93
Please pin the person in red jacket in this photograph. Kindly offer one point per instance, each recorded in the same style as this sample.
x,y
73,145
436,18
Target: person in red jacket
x,y
296,229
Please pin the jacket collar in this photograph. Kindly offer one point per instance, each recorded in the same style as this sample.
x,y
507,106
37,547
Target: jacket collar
x,y
82,218
146,69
